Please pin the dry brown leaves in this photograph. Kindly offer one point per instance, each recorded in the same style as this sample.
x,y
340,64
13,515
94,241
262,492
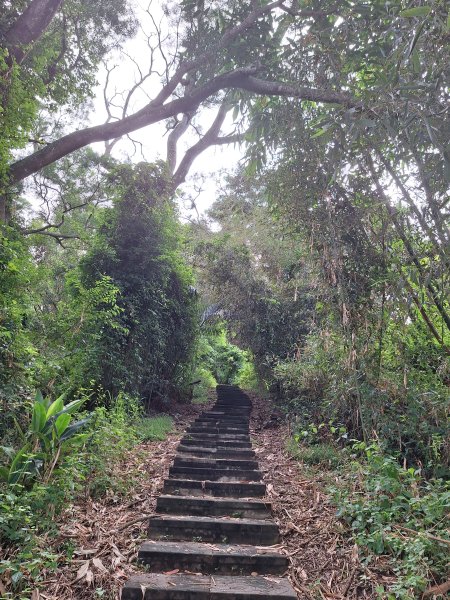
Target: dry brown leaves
x,y
106,533
323,561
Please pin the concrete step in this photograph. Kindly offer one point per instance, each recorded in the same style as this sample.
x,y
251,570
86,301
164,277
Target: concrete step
x,y
208,418
241,402
213,507
228,489
154,586
215,416
223,424
238,437
232,405
205,418
214,443
215,463
222,444
196,451
188,441
225,559
217,429
214,474
214,529
234,410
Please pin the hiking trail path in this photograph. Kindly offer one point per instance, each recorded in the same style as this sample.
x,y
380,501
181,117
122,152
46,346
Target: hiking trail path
x,y
213,537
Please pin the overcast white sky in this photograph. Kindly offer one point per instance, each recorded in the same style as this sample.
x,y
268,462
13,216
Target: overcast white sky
x,y
134,55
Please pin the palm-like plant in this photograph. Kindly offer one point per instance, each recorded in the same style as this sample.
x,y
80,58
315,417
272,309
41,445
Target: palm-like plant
x,y
50,435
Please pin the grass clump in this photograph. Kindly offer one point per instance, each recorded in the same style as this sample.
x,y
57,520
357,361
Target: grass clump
x,y
320,454
154,428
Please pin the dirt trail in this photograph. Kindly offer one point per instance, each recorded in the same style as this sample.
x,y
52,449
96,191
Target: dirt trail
x,y
324,563
107,533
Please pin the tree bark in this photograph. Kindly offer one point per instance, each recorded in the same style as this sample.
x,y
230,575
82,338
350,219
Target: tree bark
x,y
29,27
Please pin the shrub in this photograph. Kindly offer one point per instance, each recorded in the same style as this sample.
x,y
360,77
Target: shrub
x,y
392,511
207,383
29,511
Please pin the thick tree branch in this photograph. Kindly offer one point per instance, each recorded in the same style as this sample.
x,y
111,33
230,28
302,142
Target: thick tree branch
x,y
29,27
209,139
179,129
154,112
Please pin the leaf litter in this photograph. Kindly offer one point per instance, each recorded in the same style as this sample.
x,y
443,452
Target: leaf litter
x,y
107,532
324,563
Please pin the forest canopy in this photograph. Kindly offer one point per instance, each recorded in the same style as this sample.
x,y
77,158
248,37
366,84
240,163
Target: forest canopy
x,y
318,277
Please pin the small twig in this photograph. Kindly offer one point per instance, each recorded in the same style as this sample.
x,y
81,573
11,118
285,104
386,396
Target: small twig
x,y
144,518
350,581
426,534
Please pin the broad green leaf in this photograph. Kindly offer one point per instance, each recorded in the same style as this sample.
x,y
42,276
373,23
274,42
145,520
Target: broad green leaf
x,y
418,11
55,407
61,424
39,397
321,131
415,61
68,409
39,418
19,464
72,430
72,406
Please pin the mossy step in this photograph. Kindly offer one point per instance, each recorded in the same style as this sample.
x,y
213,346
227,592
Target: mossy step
x,y
224,559
229,489
154,586
217,507
214,529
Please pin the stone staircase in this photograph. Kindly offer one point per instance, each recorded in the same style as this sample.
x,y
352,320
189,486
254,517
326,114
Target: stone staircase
x,y
213,535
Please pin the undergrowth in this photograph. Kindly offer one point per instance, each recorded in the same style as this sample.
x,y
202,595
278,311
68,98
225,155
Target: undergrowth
x,y
155,428
29,510
397,517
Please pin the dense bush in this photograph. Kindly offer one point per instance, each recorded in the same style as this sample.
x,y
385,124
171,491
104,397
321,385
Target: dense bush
x,y
150,337
393,512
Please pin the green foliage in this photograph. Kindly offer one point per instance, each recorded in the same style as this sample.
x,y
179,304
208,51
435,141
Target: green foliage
x,y
29,515
392,511
247,378
50,436
155,428
17,276
216,355
148,341
59,69
319,454
207,382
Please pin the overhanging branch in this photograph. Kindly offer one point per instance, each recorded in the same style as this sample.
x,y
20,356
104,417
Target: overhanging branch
x,y
154,112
